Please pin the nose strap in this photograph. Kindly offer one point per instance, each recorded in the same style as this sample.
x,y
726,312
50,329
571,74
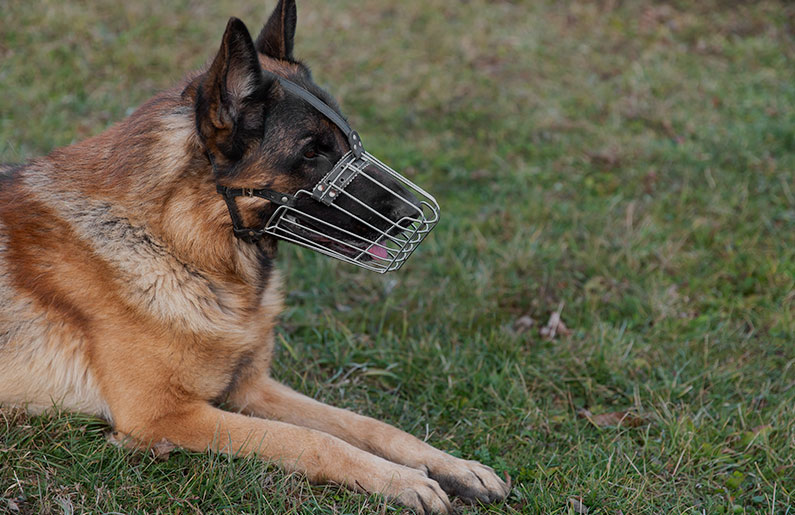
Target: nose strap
x,y
328,189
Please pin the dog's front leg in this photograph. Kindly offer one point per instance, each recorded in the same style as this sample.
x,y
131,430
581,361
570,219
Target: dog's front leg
x,y
469,480
321,456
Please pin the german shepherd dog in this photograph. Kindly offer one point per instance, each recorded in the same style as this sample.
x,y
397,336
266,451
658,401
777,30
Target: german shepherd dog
x,y
125,294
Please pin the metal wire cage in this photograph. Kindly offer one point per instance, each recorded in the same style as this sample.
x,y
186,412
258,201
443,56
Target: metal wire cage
x,y
381,243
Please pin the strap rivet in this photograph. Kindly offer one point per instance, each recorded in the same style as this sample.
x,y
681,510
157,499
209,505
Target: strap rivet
x,y
284,199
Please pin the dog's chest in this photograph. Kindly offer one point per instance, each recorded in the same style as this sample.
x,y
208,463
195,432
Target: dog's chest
x,y
242,350
178,295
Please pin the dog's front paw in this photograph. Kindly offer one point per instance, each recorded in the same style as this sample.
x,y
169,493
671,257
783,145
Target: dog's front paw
x,y
411,488
469,480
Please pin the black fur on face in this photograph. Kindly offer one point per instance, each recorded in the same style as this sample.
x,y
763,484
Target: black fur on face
x,y
262,136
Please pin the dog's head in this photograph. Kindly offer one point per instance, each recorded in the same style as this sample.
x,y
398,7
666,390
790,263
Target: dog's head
x,y
259,134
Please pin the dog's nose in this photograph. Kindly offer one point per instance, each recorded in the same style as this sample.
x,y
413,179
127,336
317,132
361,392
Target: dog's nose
x,y
408,210
402,204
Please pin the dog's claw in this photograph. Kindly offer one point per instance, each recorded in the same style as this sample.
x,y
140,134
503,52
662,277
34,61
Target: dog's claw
x,y
469,480
413,489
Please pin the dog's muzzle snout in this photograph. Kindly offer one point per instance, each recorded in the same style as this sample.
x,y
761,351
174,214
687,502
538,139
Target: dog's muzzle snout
x,y
373,218
374,238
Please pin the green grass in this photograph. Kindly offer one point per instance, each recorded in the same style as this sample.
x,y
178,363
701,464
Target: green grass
x,y
633,162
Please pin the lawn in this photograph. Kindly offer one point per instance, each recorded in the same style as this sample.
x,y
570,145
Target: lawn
x,y
627,165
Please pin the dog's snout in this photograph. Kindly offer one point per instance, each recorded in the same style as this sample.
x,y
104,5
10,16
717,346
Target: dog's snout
x,y
365,212
396,200
408,210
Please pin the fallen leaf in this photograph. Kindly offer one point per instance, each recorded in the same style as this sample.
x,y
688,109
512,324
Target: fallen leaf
x,y
613,418
481,174
13,506
523,324
555,325
650,181
606,158
764,429
577,505
162,449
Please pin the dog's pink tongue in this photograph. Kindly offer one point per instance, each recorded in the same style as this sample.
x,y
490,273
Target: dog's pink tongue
x,y
378,251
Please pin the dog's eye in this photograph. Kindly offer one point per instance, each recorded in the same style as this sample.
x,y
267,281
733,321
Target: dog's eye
x,y
310,154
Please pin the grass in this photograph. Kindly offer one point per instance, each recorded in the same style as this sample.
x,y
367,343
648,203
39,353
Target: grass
x,y
632,163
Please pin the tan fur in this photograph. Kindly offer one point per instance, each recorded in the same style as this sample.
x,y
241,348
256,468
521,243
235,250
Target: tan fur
x,y
125,295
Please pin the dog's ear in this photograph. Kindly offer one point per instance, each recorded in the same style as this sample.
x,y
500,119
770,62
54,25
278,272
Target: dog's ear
x,y
276,38
229,105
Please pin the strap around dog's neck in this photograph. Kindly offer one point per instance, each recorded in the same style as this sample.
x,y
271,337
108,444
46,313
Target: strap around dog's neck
x,y
247,234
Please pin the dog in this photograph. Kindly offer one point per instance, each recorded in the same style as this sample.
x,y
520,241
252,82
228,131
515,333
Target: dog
x,y
126,292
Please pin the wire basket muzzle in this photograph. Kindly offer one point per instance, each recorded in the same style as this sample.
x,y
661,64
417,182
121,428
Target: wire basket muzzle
x,y
362,212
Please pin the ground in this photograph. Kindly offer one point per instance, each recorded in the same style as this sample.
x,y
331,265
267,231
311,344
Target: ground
x,y
628,165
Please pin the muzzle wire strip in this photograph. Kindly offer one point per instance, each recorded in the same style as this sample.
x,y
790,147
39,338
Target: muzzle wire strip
x,y
319,245
385,232
370,239
294,222
386,169
387,244
287,226
411,240
385,264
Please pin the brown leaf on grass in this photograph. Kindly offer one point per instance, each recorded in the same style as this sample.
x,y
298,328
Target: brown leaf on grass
x,y
608,158
162,449
763,429
650,181
523,324
577,505
555,325
612,419
481,174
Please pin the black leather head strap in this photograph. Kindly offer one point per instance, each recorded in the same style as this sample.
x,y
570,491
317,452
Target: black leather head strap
x,y
354,140
248,234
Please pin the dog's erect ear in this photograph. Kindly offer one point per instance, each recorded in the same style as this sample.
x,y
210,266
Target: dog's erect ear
x,y
276,38
229,104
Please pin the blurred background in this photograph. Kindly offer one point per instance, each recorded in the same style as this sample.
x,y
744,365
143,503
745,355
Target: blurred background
x,y
605,311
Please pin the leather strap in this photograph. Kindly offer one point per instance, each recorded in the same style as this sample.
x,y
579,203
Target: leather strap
x,y
354,140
